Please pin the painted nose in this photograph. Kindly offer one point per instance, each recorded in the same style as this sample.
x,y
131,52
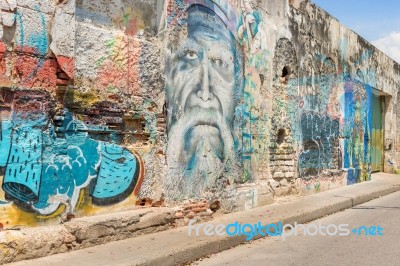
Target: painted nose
x,y
204,92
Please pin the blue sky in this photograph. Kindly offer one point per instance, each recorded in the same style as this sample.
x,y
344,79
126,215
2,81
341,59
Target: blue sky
x,y
378,21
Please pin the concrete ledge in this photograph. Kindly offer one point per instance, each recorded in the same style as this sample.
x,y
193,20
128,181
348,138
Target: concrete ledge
x,y
36,242
175,246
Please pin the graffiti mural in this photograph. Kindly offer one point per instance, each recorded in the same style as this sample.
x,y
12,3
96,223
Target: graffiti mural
x,y
62,151
320,141
321,154
202,88
49,159
358,131
227,102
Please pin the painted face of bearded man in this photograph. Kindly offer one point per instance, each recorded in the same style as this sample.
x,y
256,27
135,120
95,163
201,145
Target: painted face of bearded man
x,y
200,92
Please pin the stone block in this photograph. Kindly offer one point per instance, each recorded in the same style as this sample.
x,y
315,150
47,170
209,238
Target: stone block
x,y
63,32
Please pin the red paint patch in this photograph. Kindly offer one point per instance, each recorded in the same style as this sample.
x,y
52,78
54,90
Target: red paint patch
x,y
120,74
34,72
4,80
26,50
67,65
131,29
3,47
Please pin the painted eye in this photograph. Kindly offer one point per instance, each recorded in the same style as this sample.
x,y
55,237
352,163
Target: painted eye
x,y
191,55
219,62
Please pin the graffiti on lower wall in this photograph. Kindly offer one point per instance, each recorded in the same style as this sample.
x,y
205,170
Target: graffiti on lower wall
x,y
321,153
358,131
62,153
328,118
320,138
50,159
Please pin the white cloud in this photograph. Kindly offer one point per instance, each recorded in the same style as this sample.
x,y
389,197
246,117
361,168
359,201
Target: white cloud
x,y
390,45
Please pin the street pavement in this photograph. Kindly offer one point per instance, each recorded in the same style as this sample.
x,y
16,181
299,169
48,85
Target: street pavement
x,y
353,249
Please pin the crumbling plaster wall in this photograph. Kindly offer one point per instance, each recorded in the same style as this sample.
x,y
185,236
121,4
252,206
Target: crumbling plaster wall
x,y
37,67
317,32
202,105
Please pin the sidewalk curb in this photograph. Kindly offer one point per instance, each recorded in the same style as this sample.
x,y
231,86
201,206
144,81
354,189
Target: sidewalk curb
x,y
80,233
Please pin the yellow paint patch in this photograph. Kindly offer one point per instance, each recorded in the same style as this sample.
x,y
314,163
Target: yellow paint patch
x,y
11,216
55,214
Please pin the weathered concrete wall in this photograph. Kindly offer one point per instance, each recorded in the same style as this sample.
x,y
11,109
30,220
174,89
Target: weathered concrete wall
x,y
37,65
354,69
210,105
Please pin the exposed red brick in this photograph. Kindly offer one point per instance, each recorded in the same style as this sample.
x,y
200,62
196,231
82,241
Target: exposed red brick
x,y
196,206
179,214
32,101
191,215
159,203
196,210
147,202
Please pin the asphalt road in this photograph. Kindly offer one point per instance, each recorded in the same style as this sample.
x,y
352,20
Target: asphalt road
x,y
352,249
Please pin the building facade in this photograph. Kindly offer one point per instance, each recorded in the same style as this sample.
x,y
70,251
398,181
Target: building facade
x,y
110,105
